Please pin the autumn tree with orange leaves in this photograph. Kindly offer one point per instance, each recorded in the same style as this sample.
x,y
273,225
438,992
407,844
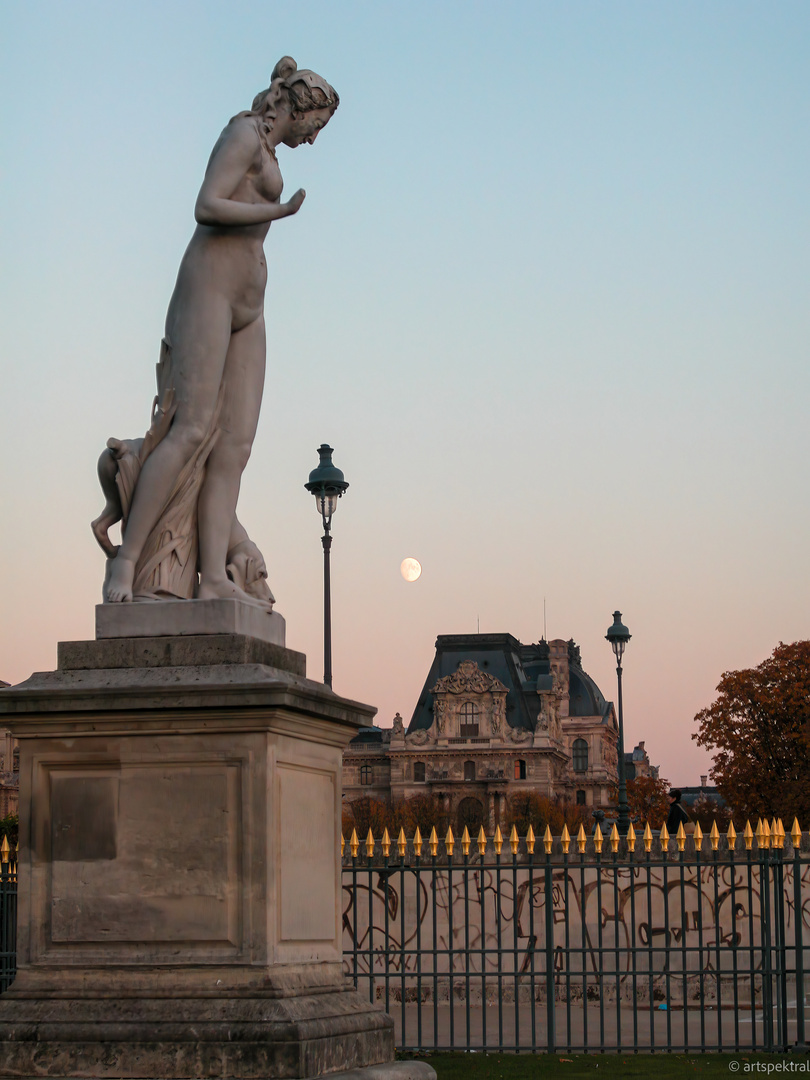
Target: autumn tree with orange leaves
x,y
758,731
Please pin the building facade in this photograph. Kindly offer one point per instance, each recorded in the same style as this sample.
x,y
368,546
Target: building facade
x,y
495,719
9,773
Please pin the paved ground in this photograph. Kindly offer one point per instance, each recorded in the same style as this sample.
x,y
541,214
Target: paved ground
x,y
578,1029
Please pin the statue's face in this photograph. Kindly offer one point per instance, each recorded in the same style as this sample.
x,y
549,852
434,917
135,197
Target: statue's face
x,y
304,127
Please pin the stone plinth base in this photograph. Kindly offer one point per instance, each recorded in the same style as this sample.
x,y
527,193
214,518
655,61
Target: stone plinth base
x,y
174,618
179,880
307,1035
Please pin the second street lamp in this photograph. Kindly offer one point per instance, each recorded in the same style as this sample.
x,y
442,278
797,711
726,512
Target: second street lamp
x,y
618,635
327,485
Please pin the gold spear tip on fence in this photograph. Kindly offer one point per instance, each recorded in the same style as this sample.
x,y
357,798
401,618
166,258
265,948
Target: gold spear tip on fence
x,y
342,844
697,836
748,835
402,842
714,835
530,840
680,837
648,837
731,836
369,843
566,839
434,842
664,835
796,834
548,840
4,850
614,839
780,834
514,840
417,841
598,839
354,843
449,840
386,843
765,839
465,841
631,838
498,840
482,841
582,839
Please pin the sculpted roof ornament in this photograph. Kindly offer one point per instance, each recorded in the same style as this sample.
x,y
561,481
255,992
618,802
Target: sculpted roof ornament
x,y
469,679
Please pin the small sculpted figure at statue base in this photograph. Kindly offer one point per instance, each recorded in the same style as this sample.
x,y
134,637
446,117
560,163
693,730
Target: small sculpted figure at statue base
x,y
175,490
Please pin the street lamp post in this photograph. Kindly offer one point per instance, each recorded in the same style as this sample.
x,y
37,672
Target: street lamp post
x,y
618,635
327,485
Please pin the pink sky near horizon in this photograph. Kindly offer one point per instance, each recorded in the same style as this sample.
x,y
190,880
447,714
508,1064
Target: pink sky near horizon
x,y
547,298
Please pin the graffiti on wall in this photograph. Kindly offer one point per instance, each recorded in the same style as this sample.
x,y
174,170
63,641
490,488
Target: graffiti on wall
x,y
626,919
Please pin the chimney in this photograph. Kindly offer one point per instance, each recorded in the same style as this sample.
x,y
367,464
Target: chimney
x,y
703,780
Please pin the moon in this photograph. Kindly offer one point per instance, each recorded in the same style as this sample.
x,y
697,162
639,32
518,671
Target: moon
x,y
410,569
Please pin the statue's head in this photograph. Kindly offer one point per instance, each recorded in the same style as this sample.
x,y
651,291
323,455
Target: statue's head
x,y
310,100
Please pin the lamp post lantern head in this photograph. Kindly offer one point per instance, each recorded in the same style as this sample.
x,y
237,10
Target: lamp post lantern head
x,y
618,635
327,485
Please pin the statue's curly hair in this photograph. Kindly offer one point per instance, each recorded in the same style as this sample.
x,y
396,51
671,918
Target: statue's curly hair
x,y
306,90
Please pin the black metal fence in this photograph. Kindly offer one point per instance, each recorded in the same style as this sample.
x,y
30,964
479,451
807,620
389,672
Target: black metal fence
x,y
8,917
667,948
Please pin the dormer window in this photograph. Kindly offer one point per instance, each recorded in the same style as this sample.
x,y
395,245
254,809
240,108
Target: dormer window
x,y
468,720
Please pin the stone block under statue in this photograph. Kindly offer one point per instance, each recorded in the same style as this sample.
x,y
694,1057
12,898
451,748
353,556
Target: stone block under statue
x,y
179,878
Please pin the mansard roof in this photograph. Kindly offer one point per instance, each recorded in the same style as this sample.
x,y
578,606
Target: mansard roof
x,y
523,669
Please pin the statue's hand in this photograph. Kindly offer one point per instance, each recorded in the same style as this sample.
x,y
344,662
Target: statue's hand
x,y
294,204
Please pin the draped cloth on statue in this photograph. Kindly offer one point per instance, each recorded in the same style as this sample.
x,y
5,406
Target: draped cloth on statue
x,y
167,567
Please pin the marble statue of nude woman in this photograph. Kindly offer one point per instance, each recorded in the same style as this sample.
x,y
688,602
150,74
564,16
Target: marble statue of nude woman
x,y
175,490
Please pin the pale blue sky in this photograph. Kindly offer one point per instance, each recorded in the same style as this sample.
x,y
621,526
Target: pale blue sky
x,y
547,298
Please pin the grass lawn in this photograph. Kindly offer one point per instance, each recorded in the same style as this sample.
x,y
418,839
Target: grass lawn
x,y
597,1066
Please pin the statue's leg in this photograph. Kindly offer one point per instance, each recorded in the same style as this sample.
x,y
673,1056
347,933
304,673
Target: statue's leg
x,y
200,334
243,385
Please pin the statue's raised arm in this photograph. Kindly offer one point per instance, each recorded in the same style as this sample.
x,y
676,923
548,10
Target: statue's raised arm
x,y
175,490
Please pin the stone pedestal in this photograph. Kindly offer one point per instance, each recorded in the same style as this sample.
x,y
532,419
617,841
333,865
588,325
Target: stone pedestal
x,y
179,879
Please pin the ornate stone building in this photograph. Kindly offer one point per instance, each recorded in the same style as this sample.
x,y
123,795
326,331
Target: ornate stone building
x,y
495,718
9,773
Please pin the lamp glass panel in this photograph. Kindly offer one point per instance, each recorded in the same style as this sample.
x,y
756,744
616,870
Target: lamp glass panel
x,y
326,504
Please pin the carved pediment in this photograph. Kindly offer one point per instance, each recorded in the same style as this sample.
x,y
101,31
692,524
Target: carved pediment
x,y
468,678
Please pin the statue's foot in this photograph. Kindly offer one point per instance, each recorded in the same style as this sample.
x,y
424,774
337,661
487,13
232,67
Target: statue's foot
x,y
118,587
227,590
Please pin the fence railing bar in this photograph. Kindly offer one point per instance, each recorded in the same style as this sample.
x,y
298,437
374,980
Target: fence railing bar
x,y
798,933
632,943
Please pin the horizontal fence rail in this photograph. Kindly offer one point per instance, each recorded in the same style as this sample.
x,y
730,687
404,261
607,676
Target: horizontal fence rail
x,y
586,944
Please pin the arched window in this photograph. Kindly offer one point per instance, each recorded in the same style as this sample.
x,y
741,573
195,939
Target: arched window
x,y
419,772
580,798
470,813
468,718
365,774
469,770
520,770
580,749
